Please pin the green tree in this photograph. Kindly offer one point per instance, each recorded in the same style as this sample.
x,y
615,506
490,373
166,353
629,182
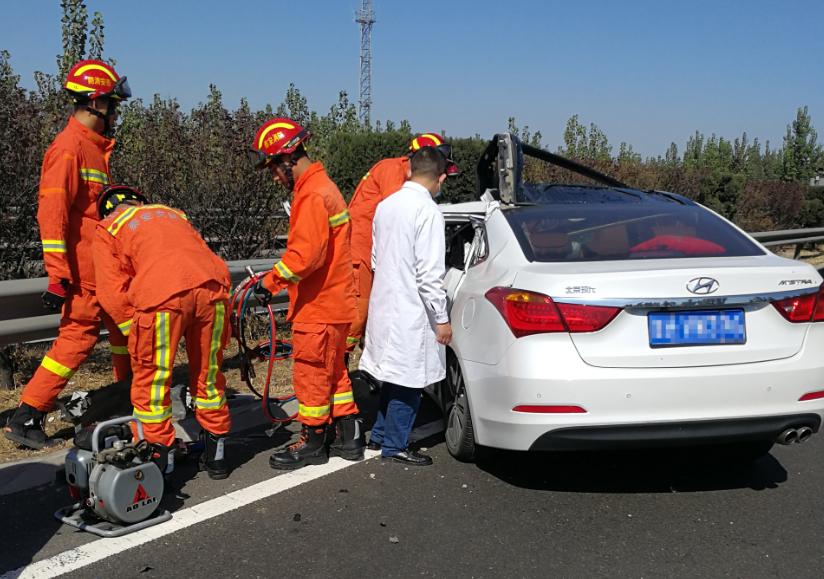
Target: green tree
x,y
801,148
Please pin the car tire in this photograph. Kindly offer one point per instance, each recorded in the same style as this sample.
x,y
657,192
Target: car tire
x,y
458,431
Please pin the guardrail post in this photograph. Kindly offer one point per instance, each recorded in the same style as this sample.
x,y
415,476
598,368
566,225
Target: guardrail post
x,y
6,368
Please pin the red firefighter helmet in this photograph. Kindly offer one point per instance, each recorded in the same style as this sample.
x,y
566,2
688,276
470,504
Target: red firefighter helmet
x,y
278,136
91,79
437,141
425,140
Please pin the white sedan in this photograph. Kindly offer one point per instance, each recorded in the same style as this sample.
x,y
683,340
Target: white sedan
x,y
599,317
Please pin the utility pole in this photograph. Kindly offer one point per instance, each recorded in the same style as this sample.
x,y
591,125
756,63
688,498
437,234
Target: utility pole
x,y
366,18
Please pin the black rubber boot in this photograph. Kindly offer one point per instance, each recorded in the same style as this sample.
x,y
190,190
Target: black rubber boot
x,y
349,441
213,459
164,458
309,449
25,427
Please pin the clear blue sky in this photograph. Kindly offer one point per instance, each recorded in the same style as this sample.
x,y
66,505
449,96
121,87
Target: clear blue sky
x,y
646,72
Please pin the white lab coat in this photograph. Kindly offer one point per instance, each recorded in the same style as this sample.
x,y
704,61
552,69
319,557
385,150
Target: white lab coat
x,y
408,297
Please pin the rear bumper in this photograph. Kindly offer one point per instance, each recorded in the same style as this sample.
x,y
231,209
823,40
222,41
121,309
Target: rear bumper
x,y
673,433
636,407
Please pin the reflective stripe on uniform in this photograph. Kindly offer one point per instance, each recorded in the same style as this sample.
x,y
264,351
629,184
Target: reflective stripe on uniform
x,y
56,367
94,175
121,220
53,245
131,212
125,327
351,340
214,348
163,363
121,350
283,271
343,398
153,417
339,218
210,403
313,411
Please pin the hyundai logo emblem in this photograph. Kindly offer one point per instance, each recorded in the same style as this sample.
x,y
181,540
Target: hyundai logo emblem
x,y
702,285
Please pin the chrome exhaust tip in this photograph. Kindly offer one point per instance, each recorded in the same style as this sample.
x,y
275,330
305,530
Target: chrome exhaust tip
x,y
789,436
804,434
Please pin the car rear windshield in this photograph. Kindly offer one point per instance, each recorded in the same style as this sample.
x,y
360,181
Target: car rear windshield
x,y
623,224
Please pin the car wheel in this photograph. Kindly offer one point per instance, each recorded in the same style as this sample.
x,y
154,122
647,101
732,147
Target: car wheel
x,y
459,434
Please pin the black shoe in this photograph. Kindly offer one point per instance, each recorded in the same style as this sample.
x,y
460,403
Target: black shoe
x,y
373,445
213,460
164,457
409,457
25,427
349,442
309,449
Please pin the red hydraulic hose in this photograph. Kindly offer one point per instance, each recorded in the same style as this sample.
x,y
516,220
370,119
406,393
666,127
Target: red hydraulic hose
x,y
239,306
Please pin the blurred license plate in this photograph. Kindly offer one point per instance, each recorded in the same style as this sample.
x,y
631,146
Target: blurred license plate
x,y
704,328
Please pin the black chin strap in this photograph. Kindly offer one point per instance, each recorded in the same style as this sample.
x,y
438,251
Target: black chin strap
x,y
287,168
107,126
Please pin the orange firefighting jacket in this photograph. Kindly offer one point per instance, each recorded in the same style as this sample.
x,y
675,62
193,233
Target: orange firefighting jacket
x,y
75,170
383,179
144,255
317,264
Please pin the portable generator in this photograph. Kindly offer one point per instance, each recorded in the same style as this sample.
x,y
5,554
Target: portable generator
x,y
114,481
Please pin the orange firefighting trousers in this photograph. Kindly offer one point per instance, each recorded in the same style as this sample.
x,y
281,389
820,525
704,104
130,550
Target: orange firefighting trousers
x,y
199,315
79,330
319,376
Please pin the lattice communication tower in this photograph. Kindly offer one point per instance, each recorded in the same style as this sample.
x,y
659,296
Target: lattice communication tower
x,y
366,18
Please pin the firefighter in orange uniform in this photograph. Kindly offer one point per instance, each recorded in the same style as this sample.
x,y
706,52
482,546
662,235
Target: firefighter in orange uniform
x,y
75,170
159,280
317,270
382,180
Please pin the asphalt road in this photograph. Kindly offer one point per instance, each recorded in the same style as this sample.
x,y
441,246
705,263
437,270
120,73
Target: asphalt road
x,y
512,515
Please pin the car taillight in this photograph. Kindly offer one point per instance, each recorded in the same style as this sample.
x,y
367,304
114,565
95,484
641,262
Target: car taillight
x,y
529,313
808,308
584,318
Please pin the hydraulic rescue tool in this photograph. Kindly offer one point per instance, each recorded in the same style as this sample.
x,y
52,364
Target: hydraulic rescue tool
x,y
117,486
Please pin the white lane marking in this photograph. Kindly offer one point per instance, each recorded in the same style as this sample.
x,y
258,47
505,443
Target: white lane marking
x,y
79,557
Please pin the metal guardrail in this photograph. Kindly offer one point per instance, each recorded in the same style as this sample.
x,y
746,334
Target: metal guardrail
x,y
797,237
22,318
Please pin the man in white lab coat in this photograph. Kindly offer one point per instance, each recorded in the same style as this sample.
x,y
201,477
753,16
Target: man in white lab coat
x,y
408,324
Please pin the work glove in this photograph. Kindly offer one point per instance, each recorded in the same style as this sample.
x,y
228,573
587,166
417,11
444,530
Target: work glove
x,y
263,295
55,295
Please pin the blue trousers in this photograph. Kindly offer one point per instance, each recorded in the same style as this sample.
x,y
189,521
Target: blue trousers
x,y
399,406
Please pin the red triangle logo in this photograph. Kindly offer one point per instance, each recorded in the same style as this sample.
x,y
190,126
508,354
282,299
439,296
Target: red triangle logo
x,y
140,494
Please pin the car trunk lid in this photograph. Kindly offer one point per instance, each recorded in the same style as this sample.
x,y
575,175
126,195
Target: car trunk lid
x,y
729,290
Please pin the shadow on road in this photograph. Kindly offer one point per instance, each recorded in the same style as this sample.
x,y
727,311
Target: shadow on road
x,y
28,521
650,471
